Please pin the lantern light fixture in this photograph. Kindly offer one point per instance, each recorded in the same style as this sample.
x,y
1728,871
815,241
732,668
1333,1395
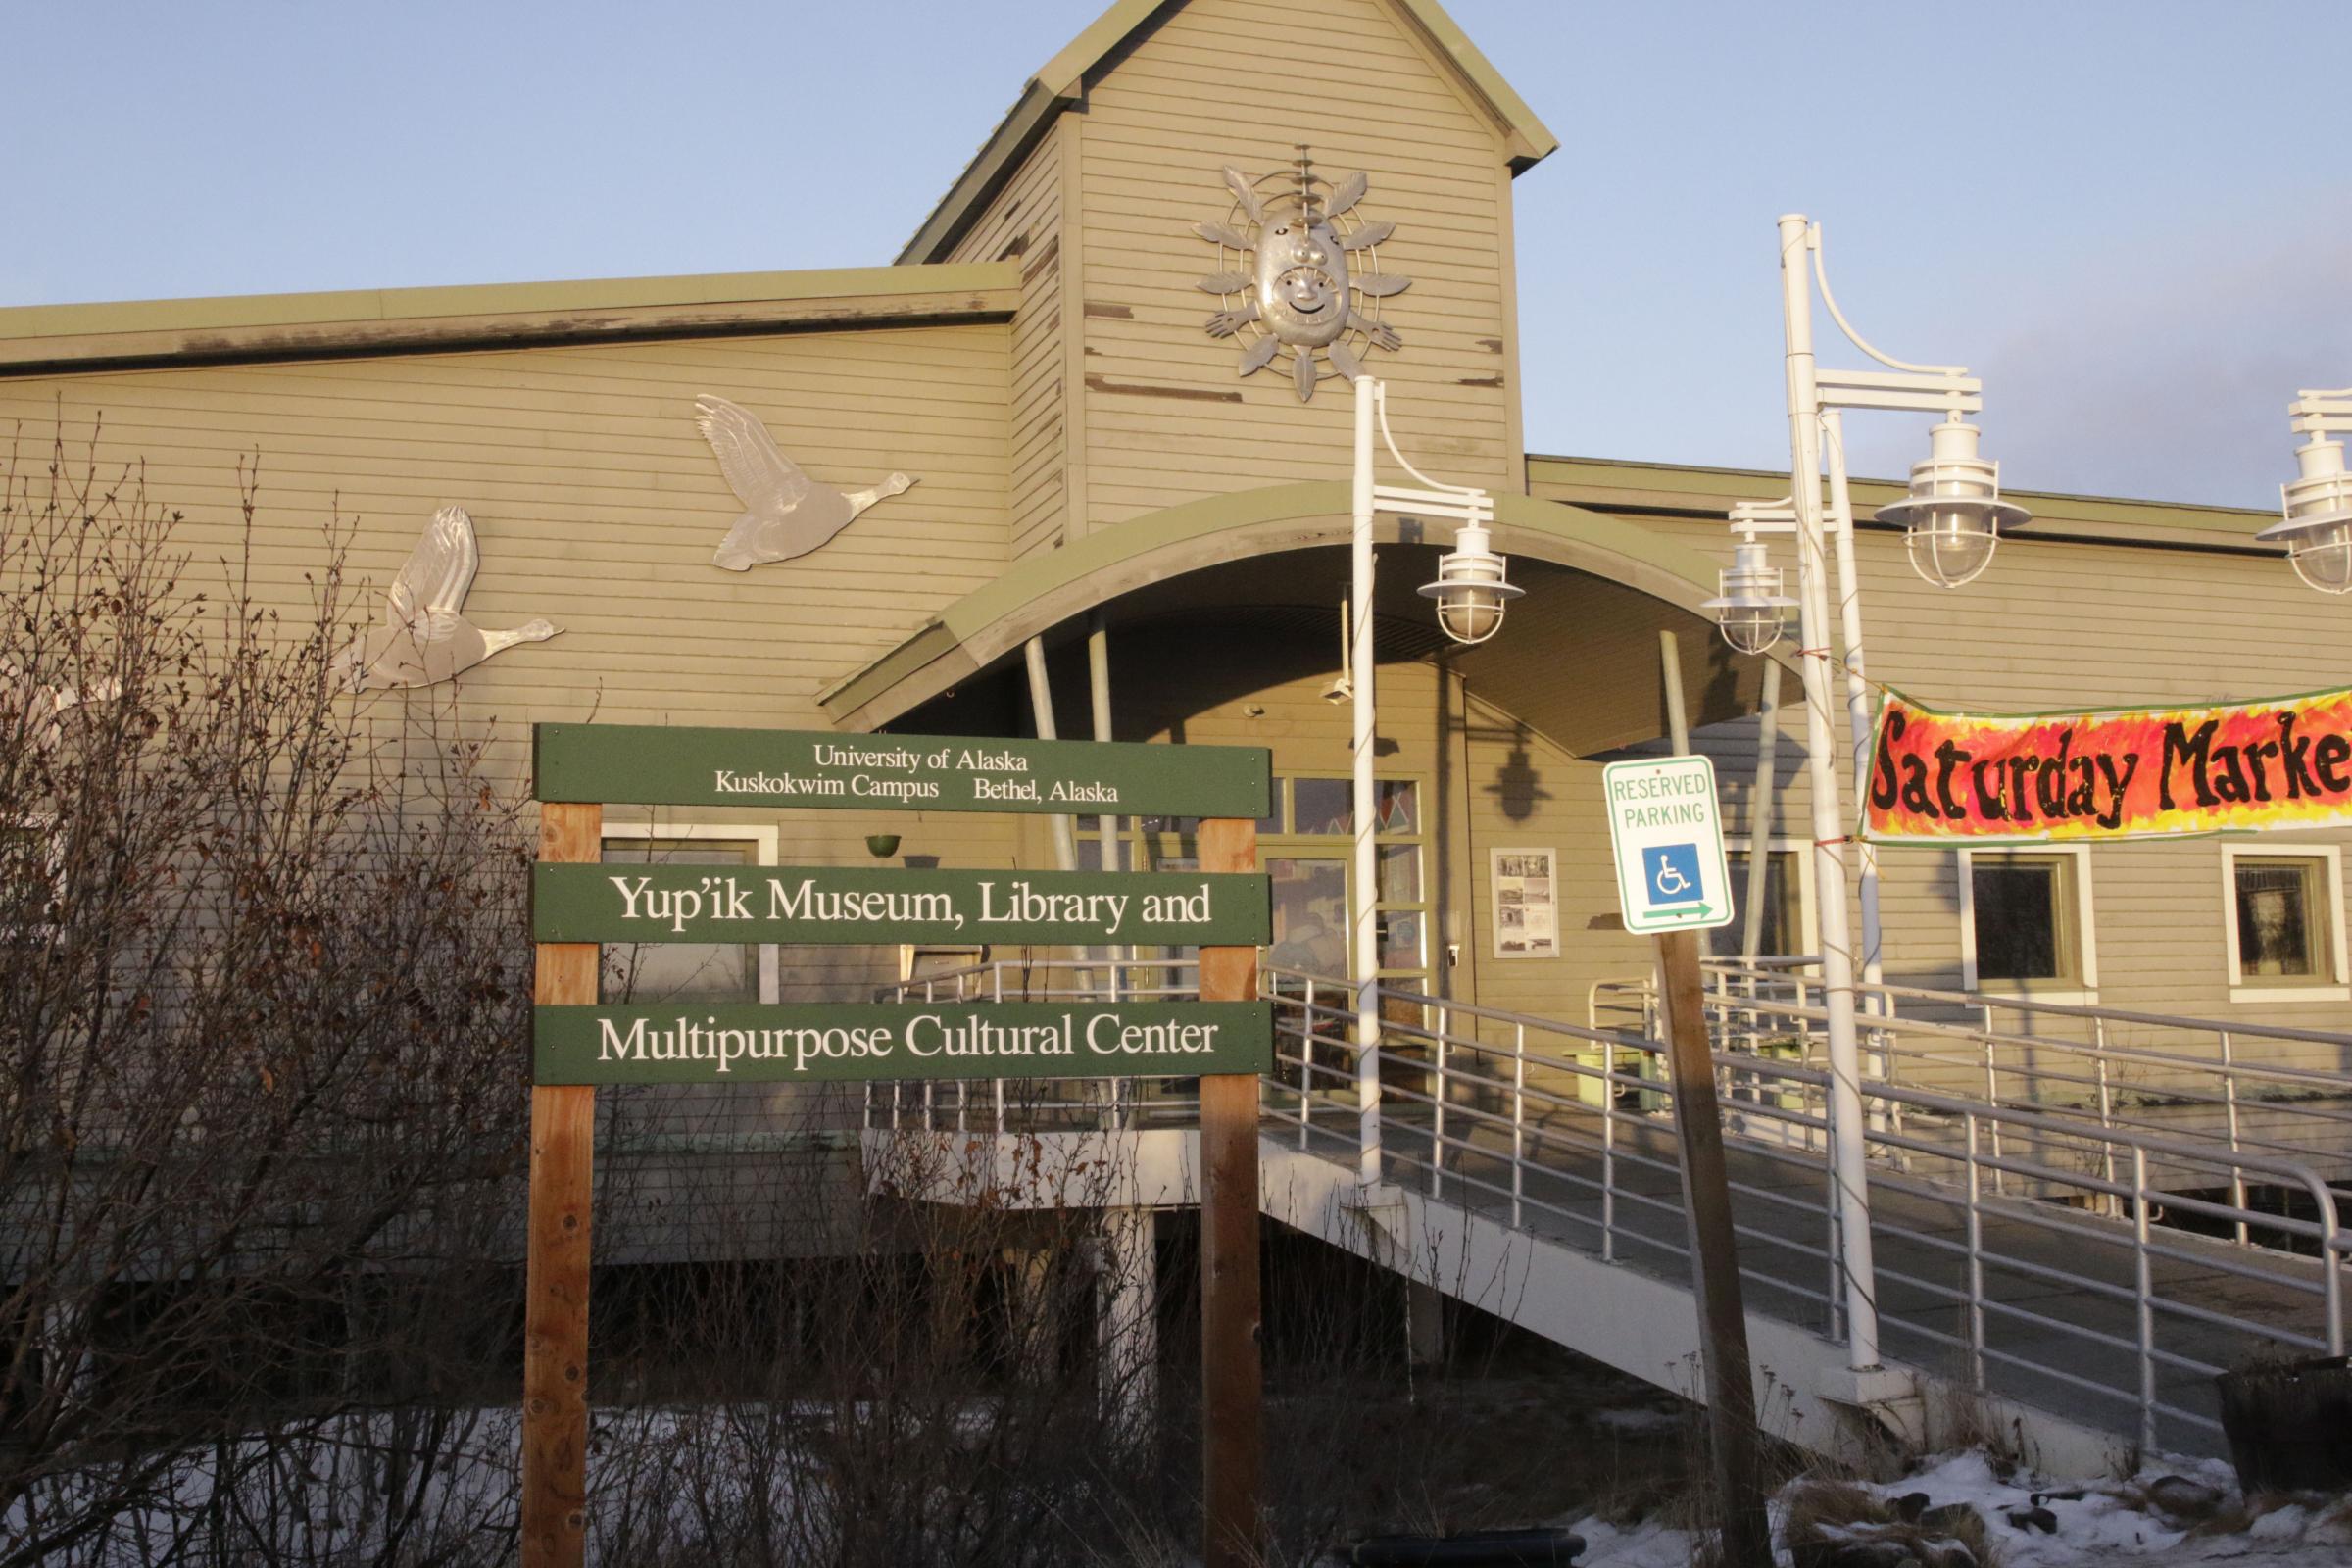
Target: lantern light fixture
x,y
1750,610
2317,504
1472,590
1954,517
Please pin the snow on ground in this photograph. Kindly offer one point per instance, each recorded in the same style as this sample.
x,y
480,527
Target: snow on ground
x,y
2096,1519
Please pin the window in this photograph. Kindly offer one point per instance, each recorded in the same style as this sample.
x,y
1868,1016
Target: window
x,y
1787,928
688,971
2024,922
1305,847
2279,914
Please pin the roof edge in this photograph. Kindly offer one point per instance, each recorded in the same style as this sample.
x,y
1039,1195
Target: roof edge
x,y
47,337
1602,481
1061,83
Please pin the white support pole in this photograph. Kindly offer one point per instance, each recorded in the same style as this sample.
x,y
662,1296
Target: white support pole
x,y
1857,697
1041,709
1848,1156
1362,923
1759,818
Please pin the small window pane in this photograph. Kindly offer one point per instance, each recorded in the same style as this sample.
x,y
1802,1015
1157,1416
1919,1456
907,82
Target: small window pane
x,y
1185,826
2281,917
1322,807
2021,913
1782,934
1400,939
1398,805
649,972
1400,873
1310,916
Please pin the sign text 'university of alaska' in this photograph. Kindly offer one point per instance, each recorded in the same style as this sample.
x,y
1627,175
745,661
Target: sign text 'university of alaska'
x,y
855,1041
823,904
660,765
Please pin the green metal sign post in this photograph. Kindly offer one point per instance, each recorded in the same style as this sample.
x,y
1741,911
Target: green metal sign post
x,y
1226,1037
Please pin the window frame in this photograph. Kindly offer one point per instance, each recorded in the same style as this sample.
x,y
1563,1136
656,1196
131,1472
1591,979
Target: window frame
x,y
1157,846
763,840
1808,916
2079,989
2337,985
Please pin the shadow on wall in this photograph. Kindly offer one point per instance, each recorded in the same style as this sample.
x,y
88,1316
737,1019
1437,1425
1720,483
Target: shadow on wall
x,y
1518,789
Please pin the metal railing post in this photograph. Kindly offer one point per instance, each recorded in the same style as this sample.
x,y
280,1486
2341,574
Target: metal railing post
x,y
1976,1259
2148,1299
2237,1173
1992,1098
2106,1111
1306,1065
1437,1137
1519,1122
1609,1169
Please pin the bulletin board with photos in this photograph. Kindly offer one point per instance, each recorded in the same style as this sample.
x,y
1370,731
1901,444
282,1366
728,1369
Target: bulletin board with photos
x,y
1525,890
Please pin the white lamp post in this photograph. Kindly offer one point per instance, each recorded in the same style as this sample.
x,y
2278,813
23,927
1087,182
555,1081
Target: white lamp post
x,y
2317,527
1952,519
1472,593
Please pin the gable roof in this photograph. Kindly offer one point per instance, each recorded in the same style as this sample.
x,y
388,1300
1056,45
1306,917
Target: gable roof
x,y
1060,83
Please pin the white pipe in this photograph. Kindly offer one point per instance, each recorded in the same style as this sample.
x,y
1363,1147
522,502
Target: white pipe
x,y
1041,709
1857,699
1847,1157
1759,818
1363,925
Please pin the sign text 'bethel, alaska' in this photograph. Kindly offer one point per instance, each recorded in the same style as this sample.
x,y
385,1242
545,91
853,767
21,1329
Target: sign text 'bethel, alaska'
x,y
663,765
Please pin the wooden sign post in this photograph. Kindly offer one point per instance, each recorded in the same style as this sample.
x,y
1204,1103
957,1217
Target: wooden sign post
x,y
1673,881
555,1291
1227,1036
1232,1396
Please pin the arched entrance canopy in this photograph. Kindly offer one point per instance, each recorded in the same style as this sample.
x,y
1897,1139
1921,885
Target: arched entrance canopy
x,y
1578,658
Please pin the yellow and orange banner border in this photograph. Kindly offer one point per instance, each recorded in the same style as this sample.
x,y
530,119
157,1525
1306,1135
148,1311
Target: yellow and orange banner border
x,y
2103,774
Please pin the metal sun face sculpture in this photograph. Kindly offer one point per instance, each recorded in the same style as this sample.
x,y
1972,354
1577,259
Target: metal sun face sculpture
x,y
1305,274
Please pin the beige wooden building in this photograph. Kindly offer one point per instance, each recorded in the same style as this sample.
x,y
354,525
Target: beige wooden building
x,y
1087,459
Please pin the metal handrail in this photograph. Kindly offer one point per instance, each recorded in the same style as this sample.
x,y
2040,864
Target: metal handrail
x,y
1541,1122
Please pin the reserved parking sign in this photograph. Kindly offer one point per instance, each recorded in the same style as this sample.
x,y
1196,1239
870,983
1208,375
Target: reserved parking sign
x,y
1667,832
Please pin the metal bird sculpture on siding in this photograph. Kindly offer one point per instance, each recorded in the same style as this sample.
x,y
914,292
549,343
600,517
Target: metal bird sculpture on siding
x,y
423,639
786,513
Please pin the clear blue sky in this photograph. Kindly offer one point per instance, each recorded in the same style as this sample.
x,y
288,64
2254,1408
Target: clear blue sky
x,y
2132,217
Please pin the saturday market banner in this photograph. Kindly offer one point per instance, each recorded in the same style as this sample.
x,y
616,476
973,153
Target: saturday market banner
x,y
2109,773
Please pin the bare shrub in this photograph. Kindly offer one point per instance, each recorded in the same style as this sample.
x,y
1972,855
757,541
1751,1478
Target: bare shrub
x,y
263,972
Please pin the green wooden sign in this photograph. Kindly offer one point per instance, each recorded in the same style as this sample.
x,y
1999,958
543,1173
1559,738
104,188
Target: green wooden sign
x,y
869,1042
660,765
832,904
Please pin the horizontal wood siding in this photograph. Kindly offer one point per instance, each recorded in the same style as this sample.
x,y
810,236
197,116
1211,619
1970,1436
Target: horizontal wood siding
x,y
597,504
1222,82
1023,224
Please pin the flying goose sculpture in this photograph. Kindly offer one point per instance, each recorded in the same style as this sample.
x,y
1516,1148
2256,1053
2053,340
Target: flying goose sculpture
x,y
423,639
786,513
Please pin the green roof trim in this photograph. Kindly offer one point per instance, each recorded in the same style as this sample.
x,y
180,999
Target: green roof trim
x,y
1062,81
1046,589
1707,489
236,310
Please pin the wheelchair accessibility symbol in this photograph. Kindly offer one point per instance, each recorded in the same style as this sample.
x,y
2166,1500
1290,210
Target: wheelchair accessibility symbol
x,y
1670,873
